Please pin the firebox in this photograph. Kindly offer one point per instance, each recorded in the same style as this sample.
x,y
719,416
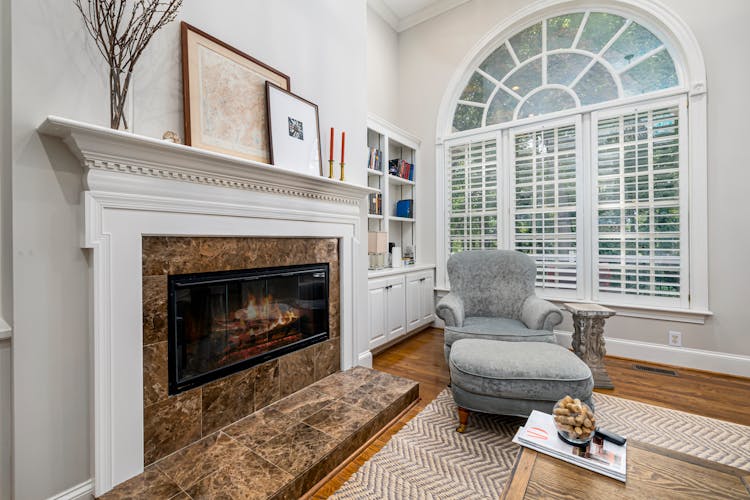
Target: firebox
x,y
224,322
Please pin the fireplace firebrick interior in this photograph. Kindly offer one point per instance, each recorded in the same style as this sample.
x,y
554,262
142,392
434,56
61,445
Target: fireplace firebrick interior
x,y
224,322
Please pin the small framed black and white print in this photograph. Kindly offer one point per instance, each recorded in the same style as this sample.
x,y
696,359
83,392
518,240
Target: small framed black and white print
x,y
293,131
296,129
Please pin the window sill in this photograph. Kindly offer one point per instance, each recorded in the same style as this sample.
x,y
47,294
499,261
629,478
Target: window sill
x,y
694,316
646,312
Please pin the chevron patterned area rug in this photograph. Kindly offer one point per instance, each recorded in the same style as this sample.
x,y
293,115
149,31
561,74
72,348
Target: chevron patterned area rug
x,y
428,460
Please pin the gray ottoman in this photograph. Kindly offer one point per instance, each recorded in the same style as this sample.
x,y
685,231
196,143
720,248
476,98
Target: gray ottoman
x,y
514,378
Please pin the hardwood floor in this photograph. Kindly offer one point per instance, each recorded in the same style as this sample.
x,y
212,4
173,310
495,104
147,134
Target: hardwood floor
x,y
709,394
421,358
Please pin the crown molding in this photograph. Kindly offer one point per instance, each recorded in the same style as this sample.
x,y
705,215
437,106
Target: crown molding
x,y
102,149
400,24
385,12
391,129
433,10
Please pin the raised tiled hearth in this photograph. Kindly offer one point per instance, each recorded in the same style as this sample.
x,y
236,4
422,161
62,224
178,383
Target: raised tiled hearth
x,y
173,422
285,448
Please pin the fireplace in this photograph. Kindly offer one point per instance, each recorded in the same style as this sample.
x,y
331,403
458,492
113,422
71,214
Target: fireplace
x,y
224,322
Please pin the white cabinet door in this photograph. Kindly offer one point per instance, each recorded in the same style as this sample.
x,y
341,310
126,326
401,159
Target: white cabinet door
x,y
427,297
376,301
413,301
396,307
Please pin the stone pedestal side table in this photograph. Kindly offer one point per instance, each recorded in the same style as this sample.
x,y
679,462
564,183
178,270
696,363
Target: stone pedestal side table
x,y
588,339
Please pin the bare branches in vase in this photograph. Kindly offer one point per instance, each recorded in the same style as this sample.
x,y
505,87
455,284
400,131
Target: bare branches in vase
x,y
122,29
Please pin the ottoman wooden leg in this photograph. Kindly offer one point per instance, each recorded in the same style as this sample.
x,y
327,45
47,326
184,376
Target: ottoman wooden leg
x,y
463,419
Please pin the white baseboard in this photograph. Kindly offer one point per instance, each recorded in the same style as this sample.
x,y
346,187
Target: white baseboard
x,y
698,359
83,490
365,359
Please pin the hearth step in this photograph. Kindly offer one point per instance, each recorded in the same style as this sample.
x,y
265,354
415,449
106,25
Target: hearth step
x,y
284,449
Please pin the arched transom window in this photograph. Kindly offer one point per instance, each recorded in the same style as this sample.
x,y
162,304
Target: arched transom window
x,y
561,63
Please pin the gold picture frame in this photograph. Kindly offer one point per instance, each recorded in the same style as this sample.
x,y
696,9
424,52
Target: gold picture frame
x,y
224,92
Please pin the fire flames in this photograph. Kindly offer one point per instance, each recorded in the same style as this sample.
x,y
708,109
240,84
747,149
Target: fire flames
x,y
267,310
258,325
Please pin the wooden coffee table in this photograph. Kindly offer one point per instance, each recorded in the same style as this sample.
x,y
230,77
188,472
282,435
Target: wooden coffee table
x,y
653,473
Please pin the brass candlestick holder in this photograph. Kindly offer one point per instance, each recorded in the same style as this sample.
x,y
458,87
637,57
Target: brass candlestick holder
x,y
330,169
342,170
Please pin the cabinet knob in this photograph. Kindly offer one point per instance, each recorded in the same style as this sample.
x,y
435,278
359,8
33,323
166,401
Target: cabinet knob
x,y
422,279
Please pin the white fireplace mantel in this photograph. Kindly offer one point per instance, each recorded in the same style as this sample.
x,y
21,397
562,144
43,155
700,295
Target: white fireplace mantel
x,y
135,186
105,149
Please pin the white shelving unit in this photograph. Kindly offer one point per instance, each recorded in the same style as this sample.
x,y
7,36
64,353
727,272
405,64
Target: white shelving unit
x,y
395,144
401,299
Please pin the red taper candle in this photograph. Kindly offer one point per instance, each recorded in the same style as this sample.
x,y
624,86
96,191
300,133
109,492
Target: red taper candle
x,y
331,146
343,138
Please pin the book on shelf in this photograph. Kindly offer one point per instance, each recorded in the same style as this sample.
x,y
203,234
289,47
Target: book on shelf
x,y
375,161
603,457
376,204
404,208
401,168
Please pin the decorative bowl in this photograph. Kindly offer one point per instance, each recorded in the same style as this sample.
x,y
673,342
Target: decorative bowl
x,y
575,421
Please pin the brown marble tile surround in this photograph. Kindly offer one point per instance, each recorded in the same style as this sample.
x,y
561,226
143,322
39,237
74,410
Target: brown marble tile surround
x,y
284,449
173,422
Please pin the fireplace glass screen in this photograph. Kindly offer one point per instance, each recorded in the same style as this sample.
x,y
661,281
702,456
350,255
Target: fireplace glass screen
x,y
224,322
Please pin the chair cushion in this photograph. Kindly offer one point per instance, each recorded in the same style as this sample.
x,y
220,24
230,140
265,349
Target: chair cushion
x,y
510,330
519,370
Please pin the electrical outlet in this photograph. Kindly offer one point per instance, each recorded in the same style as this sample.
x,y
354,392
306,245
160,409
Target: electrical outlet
x,y
675,338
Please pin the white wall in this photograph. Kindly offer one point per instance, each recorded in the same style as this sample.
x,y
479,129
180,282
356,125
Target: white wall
x,y
430,53
5,255
56,70
5,420
382,68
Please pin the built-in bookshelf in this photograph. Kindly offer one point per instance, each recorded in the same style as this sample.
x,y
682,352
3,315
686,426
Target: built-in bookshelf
x,y
393,169
376,145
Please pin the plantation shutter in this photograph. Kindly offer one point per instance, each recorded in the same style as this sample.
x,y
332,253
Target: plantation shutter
x,y
472,186
641,226
544,212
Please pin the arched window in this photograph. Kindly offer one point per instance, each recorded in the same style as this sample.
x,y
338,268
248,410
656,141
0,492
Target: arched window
x,y
565,62
568,140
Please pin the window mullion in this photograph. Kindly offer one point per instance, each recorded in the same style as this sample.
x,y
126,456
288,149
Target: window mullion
x,y
651,200
623,221
508,190
586,224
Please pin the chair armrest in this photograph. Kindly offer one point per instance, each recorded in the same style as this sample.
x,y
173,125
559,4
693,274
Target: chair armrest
x,y
538,314
451,310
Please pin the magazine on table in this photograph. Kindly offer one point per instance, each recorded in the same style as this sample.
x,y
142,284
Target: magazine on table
x,y
603,457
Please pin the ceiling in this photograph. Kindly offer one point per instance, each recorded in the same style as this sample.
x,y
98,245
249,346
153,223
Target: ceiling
x,y
403,14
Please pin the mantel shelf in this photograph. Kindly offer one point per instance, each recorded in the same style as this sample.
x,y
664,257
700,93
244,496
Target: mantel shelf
x,y
104,149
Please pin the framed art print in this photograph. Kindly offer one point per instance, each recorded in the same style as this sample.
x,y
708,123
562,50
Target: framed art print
x,y
225,97
294,131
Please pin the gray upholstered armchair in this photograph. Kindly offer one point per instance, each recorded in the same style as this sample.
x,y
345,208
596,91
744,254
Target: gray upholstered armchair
x,y
492,297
